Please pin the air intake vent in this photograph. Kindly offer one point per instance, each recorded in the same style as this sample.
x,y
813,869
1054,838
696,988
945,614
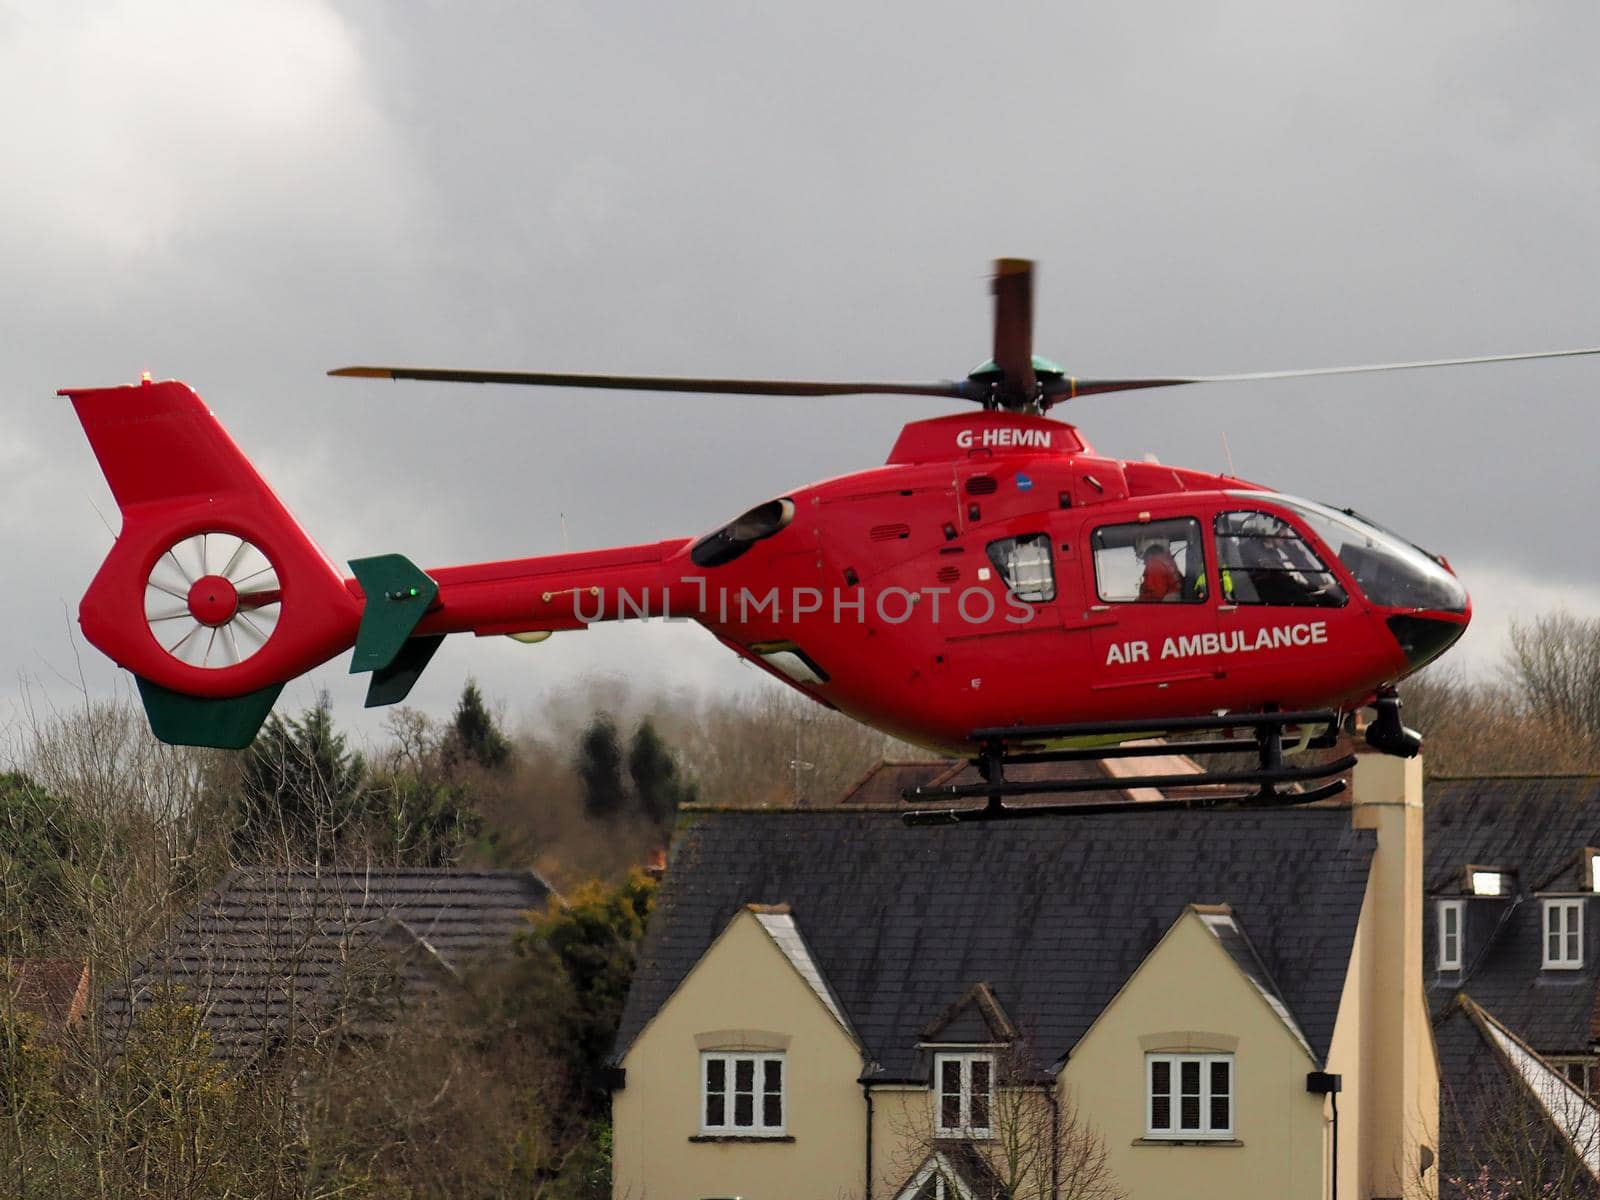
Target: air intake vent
x,y
888,533
982,485
949,574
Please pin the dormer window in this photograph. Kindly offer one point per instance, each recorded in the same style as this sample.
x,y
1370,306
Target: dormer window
x,y
1591,859
1450,934
1488,883
1563,935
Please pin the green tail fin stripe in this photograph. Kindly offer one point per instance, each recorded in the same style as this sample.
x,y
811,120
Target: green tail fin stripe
x,y
181,720
393,683
399,594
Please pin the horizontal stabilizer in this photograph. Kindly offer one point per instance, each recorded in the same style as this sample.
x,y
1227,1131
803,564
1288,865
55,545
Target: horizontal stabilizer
x,y
399,594
393,683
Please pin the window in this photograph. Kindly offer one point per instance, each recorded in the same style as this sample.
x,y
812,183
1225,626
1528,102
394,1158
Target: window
x,y
1450,935
1390,570
742,1094
964,1094
1579,1072
789,660
1150,561
1563,934
1593,860
1488,883
1189,1096
1265,561
1024,566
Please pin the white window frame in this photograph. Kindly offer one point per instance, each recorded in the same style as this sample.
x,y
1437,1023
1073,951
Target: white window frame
x,y
759,1128
1562,919
1206,1132
1451,959
965,1127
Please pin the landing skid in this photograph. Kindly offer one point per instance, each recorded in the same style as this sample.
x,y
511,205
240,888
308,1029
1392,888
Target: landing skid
x,y
1019,744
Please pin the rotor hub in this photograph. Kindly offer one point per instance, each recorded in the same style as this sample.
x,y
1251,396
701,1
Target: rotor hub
x,y
213,600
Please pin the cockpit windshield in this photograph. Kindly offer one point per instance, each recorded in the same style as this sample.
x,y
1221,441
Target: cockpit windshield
x,y
1390,571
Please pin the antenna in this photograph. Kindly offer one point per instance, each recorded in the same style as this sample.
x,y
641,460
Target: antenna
x,y
1227,451
564,546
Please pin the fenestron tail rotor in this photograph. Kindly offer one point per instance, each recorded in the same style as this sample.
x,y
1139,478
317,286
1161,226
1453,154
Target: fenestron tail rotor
x,y
212,600
1015,379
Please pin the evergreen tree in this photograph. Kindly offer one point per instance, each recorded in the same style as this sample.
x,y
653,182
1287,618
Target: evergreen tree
x,y
300,786
474,736
572,975
599,767
659,787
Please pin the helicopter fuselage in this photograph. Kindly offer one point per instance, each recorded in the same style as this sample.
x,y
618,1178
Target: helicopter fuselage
x,y
995,571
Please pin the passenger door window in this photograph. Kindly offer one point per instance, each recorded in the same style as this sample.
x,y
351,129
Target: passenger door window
x,y
1150,562
1264,560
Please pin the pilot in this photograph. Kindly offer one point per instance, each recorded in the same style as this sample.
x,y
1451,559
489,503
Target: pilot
x,y
1162,580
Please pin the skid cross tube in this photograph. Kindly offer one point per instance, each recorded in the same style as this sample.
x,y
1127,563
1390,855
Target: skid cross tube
x,y
1269,776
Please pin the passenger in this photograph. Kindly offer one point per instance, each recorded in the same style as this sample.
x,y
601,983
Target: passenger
x,y
1162,580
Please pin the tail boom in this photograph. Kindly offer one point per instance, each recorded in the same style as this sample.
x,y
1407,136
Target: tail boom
x,y
180,481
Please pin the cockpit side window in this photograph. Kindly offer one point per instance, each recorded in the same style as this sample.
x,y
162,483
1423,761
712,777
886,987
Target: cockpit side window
x,y
1264,560
1025,566
1150,562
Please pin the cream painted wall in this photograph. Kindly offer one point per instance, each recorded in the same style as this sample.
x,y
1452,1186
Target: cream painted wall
x,y
1345,1051
902,1135
1188,983
743,982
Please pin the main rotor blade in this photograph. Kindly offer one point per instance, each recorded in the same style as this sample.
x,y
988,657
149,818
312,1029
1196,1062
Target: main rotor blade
x,y
1068,388
657,383
1013,326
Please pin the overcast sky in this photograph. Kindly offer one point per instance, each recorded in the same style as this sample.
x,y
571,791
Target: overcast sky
x,y
243,196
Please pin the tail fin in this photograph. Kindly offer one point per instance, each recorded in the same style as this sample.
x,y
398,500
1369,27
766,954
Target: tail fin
x,y
213,595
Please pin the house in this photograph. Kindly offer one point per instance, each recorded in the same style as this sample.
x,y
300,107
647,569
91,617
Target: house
x,y
1216,1004
1512,965
53,991
887,780
273,955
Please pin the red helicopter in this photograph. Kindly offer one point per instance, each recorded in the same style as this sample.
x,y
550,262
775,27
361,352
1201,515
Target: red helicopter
x,y
996,588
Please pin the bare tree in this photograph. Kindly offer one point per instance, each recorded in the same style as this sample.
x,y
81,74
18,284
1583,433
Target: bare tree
x,y
1555,665
1039,1145
1504,1144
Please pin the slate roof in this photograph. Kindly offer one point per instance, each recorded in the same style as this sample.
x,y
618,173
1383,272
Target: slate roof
x,y
1225,927
1054,914
1495,1111
786,936
267,950
1537,828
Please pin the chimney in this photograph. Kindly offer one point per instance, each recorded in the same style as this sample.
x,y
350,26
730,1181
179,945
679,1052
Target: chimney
x,y
1398,1070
